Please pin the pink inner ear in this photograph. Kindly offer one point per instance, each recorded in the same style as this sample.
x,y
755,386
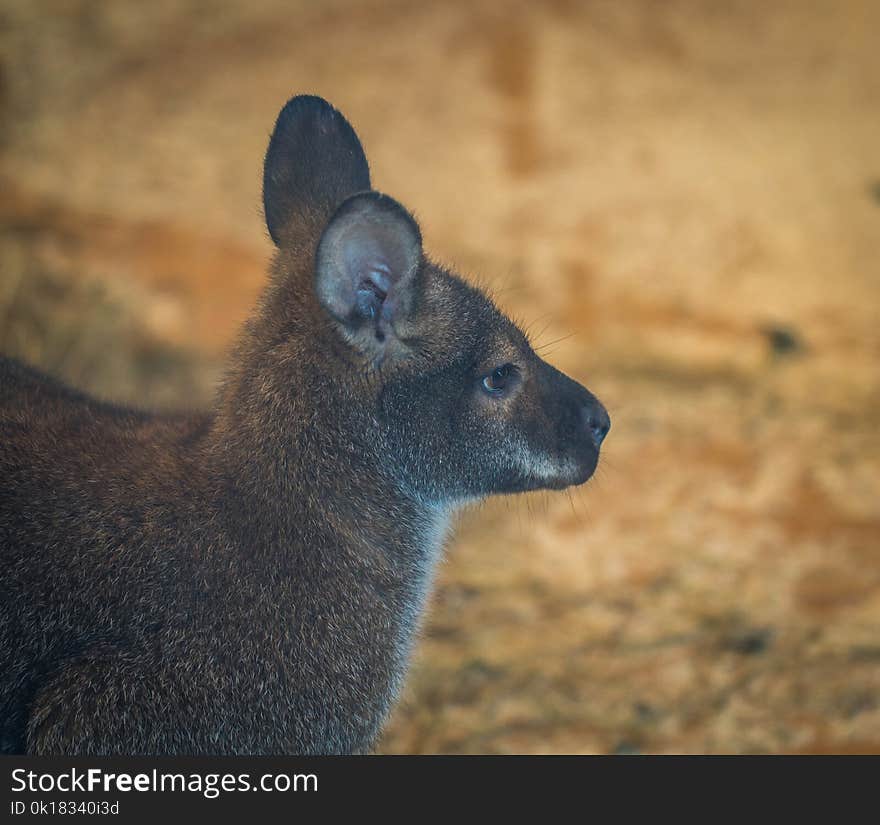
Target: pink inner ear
x,y
365,266
369,298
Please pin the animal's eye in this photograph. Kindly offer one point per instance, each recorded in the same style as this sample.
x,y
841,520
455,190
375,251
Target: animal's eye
x,y
499,380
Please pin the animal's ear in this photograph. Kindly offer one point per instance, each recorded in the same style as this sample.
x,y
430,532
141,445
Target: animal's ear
x,y
313,163
366,271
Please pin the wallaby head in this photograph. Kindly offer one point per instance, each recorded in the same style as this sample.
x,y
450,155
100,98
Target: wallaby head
x,y
249,579
443,391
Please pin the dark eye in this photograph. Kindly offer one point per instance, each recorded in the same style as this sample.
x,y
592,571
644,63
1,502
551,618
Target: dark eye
x,y
500,379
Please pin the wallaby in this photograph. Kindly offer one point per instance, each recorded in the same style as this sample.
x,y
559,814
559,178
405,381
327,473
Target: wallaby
x,y
250,580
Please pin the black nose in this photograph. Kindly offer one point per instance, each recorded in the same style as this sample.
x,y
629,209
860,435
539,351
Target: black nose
x,y
597,421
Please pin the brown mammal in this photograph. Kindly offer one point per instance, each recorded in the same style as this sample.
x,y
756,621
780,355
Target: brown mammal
x,y
249,580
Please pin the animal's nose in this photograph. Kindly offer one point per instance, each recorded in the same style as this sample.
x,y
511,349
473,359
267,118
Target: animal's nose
x,y
597,421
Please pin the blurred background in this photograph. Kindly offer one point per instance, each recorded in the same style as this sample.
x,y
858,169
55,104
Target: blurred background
x,y
683,198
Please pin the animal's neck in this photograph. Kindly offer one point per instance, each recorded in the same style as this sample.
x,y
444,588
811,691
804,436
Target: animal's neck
x,y
300,462
339,540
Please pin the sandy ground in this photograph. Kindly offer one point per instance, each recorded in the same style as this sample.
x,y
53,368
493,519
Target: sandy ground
x,y
683,198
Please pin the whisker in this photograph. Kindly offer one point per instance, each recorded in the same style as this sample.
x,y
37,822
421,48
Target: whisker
x,y
557,341
543,328
527,330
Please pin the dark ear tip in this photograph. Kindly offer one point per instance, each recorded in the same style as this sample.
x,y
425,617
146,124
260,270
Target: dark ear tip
x,y
309,115
302,106
313,162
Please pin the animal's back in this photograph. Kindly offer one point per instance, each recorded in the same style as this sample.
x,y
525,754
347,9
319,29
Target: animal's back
x,y
79,478
64,455
33,403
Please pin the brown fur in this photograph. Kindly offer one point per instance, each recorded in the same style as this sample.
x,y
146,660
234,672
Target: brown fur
x,y
249,580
